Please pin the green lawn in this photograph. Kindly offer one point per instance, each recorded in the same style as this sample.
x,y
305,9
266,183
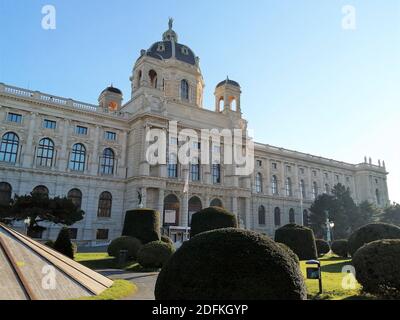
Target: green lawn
x,y
119,289
332,278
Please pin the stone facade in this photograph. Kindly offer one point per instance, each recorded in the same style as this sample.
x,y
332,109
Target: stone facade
x,y
167,85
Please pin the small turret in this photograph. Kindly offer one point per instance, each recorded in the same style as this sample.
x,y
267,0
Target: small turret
x,y
227,96
110,99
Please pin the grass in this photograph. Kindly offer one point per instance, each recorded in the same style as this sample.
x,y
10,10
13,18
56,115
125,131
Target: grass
x,y
120,289
332,278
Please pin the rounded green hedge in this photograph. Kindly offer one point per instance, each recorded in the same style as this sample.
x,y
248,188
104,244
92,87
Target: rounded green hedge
x,y
210,219
289,252
322,247
377,267
298,238
63,243
340,247
167,239
230,264
372,232
155,254
143,224
133,245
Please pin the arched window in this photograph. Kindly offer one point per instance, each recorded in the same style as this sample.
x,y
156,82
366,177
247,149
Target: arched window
x,y
314,190
274,185
277,216
216,173
139,78
288,187
216,203
327,189
105,203
378,196
221,104
42,190
45,153
75,195
9,147
306,218
261,215
292,217
5,193
171,210
78,157
258,184
184,90
303,189
194,206
153,78
233,104
107,161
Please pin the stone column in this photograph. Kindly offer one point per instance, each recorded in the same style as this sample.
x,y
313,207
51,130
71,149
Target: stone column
x,y
144,167
29,154
184,210
143,191
122,162
248,213
161,205
94,163
235,207
63,157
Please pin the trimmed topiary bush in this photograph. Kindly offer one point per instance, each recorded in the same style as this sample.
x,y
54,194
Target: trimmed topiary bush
x,y
210,219
372,232
167,239
322,247
289,252
63,243
230,264
377,267
143,224
155,254
133,245
298,238
340,248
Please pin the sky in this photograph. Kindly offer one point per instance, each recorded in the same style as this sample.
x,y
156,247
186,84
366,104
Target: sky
x,y
312,80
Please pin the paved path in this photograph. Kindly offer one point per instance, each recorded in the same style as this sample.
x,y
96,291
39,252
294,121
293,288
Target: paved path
x,y
145,281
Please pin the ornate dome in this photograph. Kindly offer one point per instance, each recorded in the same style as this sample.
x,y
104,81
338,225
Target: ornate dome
x,y
112,89
228,81
170,48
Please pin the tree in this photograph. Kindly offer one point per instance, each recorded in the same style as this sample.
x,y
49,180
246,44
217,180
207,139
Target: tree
x,y
367,213
391,214
39,207
63,243
341,209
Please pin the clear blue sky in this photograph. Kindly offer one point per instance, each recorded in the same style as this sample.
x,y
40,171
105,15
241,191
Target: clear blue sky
x,y
307,84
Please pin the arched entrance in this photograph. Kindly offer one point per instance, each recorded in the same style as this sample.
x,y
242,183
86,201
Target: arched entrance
x,y
194,206
216,203
171,210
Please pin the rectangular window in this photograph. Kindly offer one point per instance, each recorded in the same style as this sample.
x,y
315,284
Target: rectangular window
x,y
326,175
109,135
14,117
102,234
216,173
81,130
73,233
259,163
274,165
288,168
195,172
314,173
49,124
301,170
172,166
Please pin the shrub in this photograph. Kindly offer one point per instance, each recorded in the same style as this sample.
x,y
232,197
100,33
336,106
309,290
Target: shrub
x,y
378,268
372,232
289,252
230,264
131,244
155,254
49,243
322,247
63,243
298,238
210,219
143,224
340,248
167,239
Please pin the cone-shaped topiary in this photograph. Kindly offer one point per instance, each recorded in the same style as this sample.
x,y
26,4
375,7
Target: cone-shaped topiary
x,y
340,247
132,245
230,264
155,254
298,238
322,247
378,268
289,252
143,224
167,239
210,219
371,232
63,243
